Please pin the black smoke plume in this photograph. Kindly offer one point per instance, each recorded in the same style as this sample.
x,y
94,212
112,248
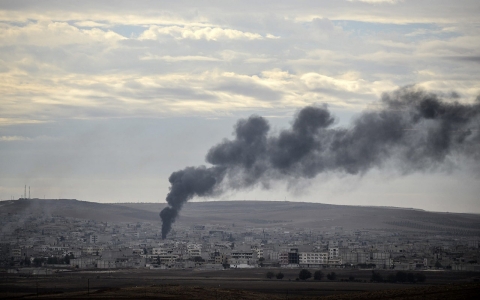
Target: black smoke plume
x,y
416,129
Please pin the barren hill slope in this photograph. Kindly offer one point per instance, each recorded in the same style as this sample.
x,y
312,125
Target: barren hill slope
x,y
317,215
77,209
257,214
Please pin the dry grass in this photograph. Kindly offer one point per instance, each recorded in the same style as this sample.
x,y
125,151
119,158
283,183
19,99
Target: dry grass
x,y
453,291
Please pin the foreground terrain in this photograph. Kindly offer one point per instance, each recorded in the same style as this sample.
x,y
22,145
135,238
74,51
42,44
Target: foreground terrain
x,y
229,284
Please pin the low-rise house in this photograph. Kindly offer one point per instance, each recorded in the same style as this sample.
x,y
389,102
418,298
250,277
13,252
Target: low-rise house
x,y
84,262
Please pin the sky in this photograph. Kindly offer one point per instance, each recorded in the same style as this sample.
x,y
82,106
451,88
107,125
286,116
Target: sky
x,y
103,100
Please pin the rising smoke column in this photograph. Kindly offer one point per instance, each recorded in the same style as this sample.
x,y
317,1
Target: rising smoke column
x,y
418,130
186,184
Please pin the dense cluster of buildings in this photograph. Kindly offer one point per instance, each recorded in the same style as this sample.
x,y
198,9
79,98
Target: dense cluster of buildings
x,y
33,241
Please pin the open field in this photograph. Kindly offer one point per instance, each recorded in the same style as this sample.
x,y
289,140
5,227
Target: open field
x,y
227,284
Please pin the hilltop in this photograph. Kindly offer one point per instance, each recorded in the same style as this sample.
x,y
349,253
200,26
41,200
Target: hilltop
x,y
257,214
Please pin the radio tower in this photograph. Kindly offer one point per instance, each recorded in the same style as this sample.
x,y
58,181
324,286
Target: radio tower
x,y
25,193
28,192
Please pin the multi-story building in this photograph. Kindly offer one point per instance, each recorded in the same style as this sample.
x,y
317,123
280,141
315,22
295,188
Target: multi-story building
x,y
313,258
194,250
93,239
333,253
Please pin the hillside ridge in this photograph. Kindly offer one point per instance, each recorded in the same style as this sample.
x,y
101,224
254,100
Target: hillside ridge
x,y
285,214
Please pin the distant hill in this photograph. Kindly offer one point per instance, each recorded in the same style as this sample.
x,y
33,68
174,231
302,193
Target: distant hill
x,y
258,214
77,209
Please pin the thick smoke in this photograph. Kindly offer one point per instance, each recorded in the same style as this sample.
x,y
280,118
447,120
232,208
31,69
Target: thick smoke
x,y
419,130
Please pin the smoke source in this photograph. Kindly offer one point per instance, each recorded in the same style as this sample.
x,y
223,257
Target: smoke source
x,y
419,130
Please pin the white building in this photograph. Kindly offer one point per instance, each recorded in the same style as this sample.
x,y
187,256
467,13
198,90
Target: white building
x,y
194,250
161,251
313,258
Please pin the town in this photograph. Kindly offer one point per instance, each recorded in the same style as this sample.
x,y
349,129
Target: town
x,y
42,244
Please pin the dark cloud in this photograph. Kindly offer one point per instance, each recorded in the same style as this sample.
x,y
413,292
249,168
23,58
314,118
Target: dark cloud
x,y
417,128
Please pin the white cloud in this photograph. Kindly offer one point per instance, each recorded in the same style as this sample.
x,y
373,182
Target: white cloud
x,y
16,121
87,70
169,58
16,138
259,60
187,12
90,24
197,33
206,93
348,82
51,34
13,138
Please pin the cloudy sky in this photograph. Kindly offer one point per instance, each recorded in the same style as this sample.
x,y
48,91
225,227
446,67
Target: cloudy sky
x,y
102,100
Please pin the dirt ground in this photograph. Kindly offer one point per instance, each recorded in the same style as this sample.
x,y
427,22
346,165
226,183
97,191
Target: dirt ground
x,y
231,284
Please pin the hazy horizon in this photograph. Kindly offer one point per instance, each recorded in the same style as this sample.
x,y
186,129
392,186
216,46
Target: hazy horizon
x,y
250,200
